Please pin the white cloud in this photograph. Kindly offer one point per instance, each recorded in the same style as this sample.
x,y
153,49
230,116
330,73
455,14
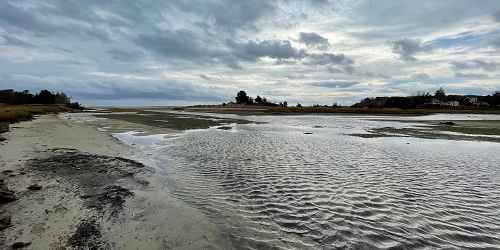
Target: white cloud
x,y
304,51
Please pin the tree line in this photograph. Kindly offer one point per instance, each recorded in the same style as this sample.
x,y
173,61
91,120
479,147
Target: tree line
x,y
438,99
12,97
243,98
421,100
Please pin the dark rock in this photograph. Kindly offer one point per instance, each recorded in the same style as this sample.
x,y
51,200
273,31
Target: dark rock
x,y
7,172
19,245
448,123
6,195
35,187
4,221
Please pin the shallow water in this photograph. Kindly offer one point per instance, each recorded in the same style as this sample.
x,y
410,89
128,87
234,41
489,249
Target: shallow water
x,y
271,186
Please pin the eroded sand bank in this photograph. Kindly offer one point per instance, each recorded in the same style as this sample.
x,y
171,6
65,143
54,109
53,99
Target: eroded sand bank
x,y
91,195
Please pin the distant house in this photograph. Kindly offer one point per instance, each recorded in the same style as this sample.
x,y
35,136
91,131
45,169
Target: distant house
x,y
472,100
451,104
434,102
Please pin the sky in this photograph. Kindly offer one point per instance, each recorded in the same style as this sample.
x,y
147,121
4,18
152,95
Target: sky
x,y
182,52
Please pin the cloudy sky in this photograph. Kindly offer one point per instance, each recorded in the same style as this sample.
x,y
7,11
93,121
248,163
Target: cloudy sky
x,y
114,52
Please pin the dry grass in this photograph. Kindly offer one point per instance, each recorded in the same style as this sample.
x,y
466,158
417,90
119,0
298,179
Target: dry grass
x,y
17,113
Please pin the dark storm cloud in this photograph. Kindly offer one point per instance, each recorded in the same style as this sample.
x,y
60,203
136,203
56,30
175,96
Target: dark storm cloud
x,y
228,15
11,15
313,40
327,59
476,64
15,17
175,44
187,45
276,49
333,84
408,48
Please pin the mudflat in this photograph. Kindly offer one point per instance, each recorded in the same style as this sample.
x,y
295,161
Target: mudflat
x,y
73,187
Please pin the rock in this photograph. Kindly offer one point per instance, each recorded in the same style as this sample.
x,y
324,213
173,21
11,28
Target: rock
x,y
7,172
6,195
448,123
4,221
20,244
35,187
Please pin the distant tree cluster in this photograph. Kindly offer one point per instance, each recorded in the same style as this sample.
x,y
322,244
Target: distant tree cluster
x,y
438,99
243,98
12,97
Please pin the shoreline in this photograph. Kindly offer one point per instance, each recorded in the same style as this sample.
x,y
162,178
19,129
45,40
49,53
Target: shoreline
x,y
262,110
75,186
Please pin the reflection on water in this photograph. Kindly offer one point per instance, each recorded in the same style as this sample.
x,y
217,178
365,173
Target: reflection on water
x,y
273,186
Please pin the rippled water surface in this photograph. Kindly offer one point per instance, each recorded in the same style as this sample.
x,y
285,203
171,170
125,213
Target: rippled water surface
x,y
271,186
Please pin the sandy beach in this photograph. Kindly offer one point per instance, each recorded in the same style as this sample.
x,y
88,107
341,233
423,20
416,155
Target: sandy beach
x,y
75,188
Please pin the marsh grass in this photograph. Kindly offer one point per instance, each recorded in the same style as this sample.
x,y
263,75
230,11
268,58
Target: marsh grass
x,y
17,113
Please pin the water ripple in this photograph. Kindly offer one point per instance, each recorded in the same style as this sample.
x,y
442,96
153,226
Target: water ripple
x,y
272,187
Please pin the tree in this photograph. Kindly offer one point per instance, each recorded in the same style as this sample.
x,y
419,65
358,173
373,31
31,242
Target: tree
x,y
61,98
285,104
299,105
258,100
45,97
242,97
440,94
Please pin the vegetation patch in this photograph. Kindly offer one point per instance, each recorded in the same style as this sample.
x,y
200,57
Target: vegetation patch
x,y
460,130
171,120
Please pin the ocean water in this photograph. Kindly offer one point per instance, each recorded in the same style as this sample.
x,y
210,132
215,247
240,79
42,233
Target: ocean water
x,y
302,182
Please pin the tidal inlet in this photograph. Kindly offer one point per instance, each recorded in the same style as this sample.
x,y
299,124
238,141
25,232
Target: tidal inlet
x,y
226,124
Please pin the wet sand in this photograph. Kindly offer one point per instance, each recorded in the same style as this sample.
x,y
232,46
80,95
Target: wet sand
x,y
75,188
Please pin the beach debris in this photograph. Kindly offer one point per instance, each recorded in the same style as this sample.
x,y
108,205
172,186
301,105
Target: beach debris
x,y
2,138
449,123
35,187
318,126
308,133
20,244
225,128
